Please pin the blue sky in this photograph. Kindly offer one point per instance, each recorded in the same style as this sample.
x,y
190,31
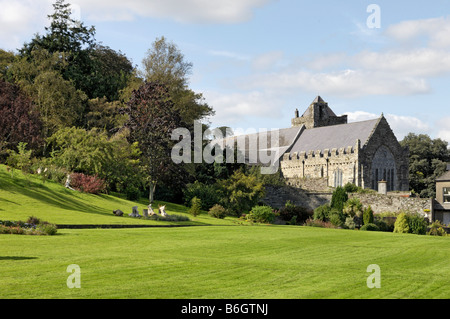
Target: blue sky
x,y
256,61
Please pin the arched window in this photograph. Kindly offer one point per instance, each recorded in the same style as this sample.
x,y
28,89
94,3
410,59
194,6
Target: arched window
x,y
383,168
338,177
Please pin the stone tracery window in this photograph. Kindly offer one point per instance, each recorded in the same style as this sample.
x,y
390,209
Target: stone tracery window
x,y
383,168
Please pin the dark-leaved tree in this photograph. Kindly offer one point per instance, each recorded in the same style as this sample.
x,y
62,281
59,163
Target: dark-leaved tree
x,y
152,117
19,120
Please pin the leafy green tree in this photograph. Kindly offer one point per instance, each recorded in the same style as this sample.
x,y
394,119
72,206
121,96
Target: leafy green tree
x,y
368,216
6,59
196,206
152,118
94,153
428,158
339,198
401,224
241,192
165,64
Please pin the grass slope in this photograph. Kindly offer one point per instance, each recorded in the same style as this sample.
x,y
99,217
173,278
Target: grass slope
x,y
24,196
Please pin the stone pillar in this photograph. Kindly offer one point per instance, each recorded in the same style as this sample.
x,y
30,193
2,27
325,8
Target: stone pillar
x,y
382,187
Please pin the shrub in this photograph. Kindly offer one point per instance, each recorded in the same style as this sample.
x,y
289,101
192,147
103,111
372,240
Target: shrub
x,y
217,211
132,192
206,193
382,224
322,212
318,223
47,229
336,220
350,188
368,216
294,214
353,207
370,227
436,229
401,224
350,223
417,224
261,214
339,198
87,184
196,206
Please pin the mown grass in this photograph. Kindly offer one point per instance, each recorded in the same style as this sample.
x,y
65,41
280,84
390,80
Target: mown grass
x,y
232,262
271,262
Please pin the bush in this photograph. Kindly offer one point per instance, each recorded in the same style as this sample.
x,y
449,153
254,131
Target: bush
x,y
436,229
353,207
350,188
370,227
350,223
368,216
339,198
294,214
217,211
196,206
336,220
47,229
261,214
401,224
318,223
322,212
417,224
87,184
206,193
132,192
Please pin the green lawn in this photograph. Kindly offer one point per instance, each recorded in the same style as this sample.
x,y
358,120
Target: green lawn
x,y
224,262
230,261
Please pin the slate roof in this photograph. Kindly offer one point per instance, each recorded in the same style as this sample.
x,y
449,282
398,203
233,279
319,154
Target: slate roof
x,y
335,136
444,177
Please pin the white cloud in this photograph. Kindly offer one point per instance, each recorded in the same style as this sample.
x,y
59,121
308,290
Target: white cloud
x,y
235,107
435,31
345,83
20,19
443,126
188,11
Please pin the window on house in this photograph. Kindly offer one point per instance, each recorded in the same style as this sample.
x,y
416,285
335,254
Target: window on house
x,y
446,192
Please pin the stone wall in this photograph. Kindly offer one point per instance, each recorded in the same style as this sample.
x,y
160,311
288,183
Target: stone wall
x,y
277,196
323,165
394,203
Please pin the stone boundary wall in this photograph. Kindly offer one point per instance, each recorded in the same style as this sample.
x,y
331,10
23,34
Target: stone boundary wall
x,y
394,203
277,196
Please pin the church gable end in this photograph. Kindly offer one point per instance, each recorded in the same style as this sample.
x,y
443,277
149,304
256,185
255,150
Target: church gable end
x,y
383,158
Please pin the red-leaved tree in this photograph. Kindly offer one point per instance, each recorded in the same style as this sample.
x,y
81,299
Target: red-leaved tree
x,y
152,117
19,120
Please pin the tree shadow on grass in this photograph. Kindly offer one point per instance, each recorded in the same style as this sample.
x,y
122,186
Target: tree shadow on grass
x,y
16,258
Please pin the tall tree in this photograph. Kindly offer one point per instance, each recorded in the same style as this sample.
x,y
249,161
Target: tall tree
x,y
152,117
19,119
165,64
428,158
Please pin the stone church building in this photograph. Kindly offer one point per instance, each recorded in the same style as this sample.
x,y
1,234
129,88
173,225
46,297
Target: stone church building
x,y
322,150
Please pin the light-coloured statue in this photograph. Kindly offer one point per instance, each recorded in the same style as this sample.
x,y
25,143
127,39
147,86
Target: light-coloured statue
x,y
150,210
162,210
